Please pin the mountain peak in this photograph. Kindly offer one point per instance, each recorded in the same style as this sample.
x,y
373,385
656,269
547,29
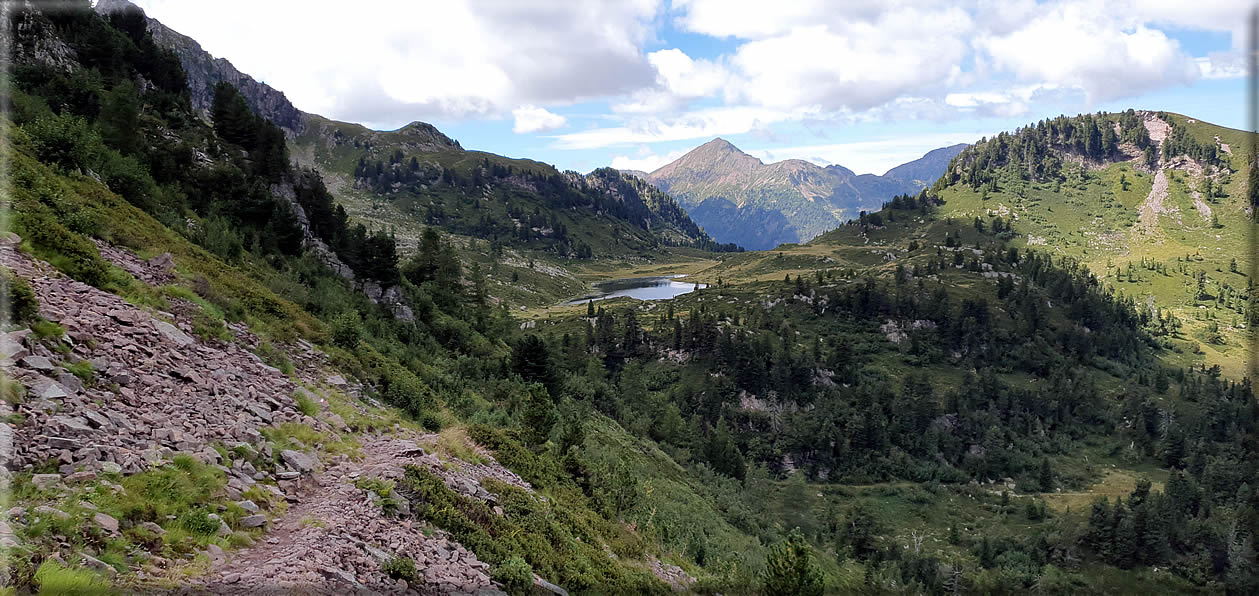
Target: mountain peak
x,y
718,146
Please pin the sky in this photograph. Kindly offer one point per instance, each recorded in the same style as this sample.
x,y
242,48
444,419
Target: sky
x,y
868,84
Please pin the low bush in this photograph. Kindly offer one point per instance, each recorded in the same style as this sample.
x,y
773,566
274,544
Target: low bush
x,y
401,568
23,304
515,575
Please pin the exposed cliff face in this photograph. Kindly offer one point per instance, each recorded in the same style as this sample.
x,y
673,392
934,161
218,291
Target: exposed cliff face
x,y
205,71
32,42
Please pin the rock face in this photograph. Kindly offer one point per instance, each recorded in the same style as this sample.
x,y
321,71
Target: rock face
x,y
391,297
35,44
205,71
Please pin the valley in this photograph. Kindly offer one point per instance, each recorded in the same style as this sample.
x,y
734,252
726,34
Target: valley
x,y
248,348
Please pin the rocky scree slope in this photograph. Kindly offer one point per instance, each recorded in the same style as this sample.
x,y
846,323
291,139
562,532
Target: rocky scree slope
x,y
158,394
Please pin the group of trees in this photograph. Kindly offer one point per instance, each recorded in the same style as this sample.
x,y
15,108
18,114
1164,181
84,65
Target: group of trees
x,y
1033,152
1180,142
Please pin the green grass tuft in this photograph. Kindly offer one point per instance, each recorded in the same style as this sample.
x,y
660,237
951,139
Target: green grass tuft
x,y
56,579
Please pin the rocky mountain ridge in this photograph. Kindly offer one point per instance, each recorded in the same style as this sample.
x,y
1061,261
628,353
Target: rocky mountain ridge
x,y
205,71
738,198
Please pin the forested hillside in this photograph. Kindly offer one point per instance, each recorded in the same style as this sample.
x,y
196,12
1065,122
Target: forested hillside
x,y
217,379
509,202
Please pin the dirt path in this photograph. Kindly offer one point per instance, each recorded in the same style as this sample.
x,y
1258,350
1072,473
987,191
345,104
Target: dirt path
x,y
334,540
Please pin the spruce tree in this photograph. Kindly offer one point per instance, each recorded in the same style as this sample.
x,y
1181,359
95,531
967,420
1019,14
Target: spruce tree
x,y
791,570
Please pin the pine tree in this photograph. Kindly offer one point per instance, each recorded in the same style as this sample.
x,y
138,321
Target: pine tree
x,y
791,570
1046,476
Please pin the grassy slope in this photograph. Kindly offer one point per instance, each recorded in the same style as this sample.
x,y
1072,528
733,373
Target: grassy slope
x,y
1093,219
675,501
1096,221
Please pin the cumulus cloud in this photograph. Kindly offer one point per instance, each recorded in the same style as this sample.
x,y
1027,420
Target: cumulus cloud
x,y
386,64
534,119
1222,65
454,59
698,124
679,80
1091,52
867,55
646,161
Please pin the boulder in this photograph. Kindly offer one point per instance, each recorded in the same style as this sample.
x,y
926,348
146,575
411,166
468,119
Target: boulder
x,y
98,565
45,510
173,334
106,522
299,461
39,363
45,481
12,350
253,521
72,383
45,388
216,554
547,586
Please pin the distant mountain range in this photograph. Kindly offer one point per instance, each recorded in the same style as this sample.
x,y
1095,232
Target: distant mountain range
x,y
738,198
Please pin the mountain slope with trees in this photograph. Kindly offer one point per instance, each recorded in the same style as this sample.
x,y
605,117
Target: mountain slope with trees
x,y
739,199
912,402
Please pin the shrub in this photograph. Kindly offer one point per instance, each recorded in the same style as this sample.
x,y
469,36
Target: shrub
x,y
23,305
515,575
44,329
82,369
347,330
11,390
275,357
71,253
219,236
400,568
170,490
65,140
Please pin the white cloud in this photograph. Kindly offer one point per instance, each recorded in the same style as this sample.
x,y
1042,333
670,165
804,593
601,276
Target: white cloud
x,y
867,54
648,162
534,119
384,64
1011,102
699,124
876,156
1222,65
679,79
1091,51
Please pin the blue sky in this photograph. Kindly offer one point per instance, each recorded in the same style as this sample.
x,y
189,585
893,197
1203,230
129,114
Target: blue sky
x,y
636,83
